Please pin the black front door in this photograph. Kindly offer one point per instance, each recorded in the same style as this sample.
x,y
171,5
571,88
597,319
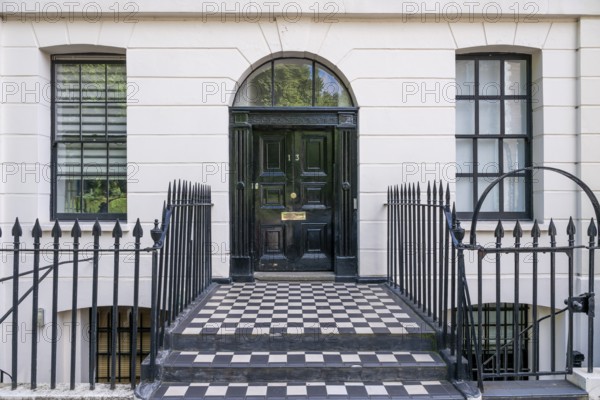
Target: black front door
x,y
293,199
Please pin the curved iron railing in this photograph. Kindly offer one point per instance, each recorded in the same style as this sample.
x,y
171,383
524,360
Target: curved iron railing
x,y
426,265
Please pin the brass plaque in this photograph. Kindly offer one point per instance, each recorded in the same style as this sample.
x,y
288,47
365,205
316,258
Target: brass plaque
x,y
293,216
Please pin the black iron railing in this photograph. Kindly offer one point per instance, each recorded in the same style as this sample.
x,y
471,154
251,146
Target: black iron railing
x,y
423,238
426,264
181,259
180,270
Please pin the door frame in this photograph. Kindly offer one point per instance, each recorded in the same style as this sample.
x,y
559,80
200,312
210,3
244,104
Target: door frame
x,y
345,187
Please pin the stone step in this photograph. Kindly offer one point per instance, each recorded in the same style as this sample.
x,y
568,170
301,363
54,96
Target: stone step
x,y
314,276
344,366
533,390
421,389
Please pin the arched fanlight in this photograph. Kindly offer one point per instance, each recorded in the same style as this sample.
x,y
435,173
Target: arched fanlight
x,y
292,82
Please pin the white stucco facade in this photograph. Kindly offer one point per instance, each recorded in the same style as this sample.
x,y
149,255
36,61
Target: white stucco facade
x,y
185,61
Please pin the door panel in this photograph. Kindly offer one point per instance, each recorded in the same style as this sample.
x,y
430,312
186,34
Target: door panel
x,y
293,174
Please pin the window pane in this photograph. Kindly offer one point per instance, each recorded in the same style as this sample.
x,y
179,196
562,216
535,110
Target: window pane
x,y
116,82
465,77
94,159
68,194
515,78
514,194
489,117
68,158
464,194
515,117
67,121
489,78
93,120
465,117
117,202
329,91
94,196
464,156
117,119
256,90
67,82
93,82
117,158
492,201
514,154
487,156
293,83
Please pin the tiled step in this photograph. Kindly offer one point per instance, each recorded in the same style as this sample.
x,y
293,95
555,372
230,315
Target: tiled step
x,y
310,390
345,366
308,341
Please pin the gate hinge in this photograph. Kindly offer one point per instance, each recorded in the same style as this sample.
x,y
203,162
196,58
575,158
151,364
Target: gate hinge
x,y
584,303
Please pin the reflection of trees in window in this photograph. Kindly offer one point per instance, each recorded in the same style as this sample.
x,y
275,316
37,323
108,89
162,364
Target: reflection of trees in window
x,y
292,83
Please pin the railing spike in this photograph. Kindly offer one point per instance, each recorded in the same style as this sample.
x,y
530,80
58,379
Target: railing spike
x,y
551,229
97,229
571,227
56,231
169,194
499,232
454,218
447,193
428,192
418,191
76,230
117,231
16,230
518,231
138,232
592,230
0,232
37,229
441,192
535,231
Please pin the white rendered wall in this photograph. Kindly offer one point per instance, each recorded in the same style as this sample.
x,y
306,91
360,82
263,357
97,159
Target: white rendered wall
x,y
182,74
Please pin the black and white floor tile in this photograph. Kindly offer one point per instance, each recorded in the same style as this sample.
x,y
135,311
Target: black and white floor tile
x,y
311,390
301,308
302,358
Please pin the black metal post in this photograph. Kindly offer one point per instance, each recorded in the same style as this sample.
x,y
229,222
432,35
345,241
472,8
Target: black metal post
x,y
76,235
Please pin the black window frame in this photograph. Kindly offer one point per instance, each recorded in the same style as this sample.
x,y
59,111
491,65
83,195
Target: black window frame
x,y
474,175
81,58
314,65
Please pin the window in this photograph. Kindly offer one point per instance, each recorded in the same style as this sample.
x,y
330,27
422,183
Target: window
x,y
292,82
493,133
504,337
89,129
123,343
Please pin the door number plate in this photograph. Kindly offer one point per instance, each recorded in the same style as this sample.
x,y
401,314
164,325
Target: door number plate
x,y
293,216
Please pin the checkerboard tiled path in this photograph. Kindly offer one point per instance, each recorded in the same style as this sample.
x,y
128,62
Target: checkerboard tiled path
x,y
303,340
301,308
